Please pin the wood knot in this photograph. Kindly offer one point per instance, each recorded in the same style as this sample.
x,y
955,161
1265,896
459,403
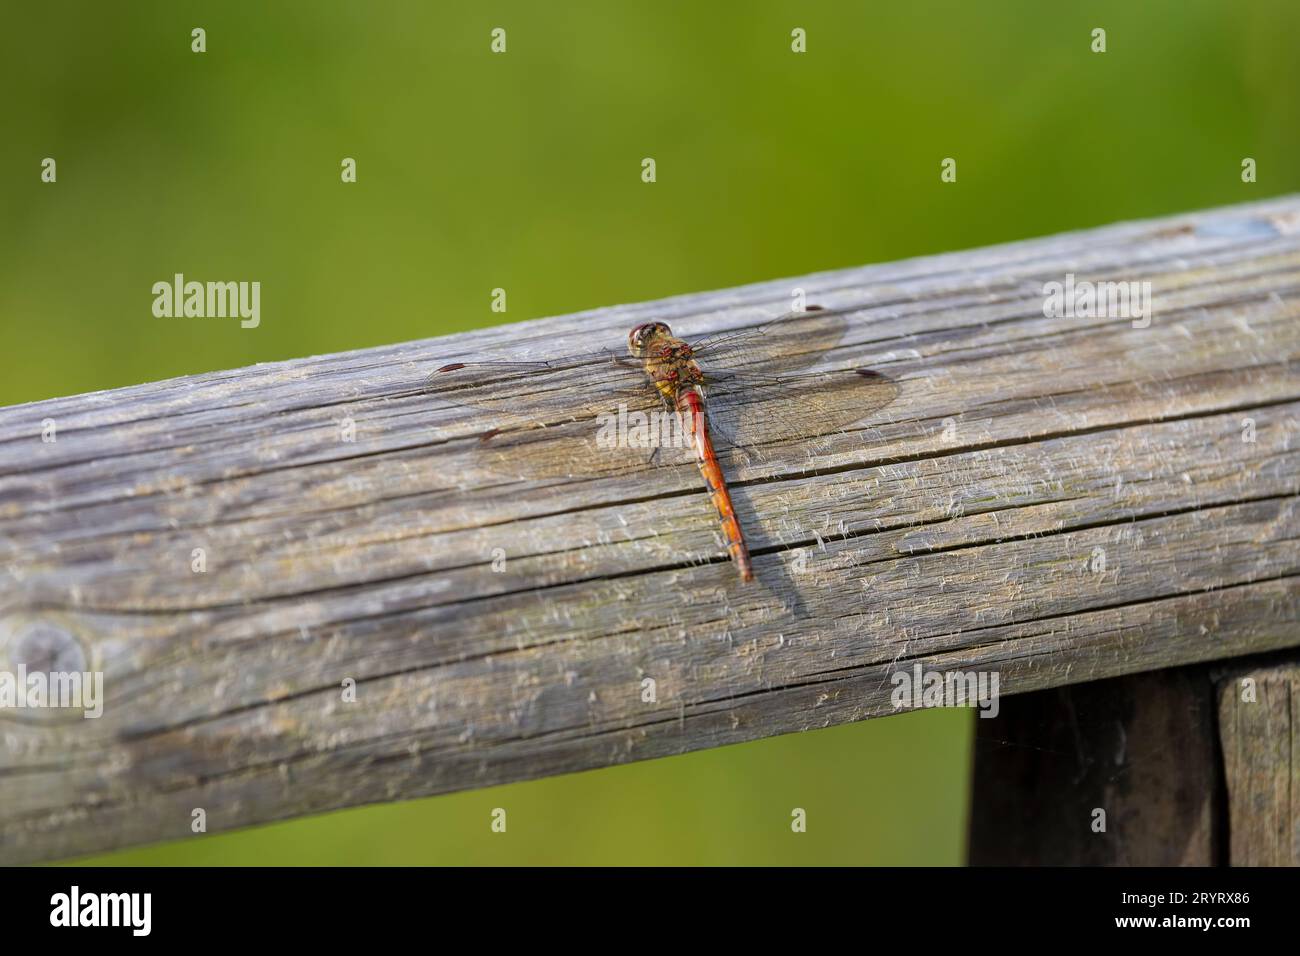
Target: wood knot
x,y
46,646
44,675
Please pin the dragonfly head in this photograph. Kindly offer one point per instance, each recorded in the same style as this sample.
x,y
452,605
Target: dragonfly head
x,y
641,336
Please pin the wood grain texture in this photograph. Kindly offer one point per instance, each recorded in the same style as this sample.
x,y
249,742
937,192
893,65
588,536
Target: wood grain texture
x,y
1259,732
964,526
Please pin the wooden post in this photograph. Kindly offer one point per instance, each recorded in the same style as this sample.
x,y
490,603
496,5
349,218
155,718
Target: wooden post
x,y
1191,766
1259,731
1115,772
304,591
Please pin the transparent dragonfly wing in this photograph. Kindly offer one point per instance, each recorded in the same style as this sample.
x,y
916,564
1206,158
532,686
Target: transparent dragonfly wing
x,y
525,393
784,381
791,343
551,418
596,413
755,414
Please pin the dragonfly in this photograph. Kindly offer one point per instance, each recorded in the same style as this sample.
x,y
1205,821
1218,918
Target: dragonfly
x,y
744,391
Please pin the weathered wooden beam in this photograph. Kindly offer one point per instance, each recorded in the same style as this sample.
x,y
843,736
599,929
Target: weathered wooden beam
x,y
1054,499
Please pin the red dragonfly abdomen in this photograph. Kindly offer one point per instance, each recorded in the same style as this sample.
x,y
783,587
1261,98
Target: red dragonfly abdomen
x,y
691,407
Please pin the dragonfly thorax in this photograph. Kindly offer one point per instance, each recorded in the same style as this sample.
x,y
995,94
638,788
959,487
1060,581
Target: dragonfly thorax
x,y
668,361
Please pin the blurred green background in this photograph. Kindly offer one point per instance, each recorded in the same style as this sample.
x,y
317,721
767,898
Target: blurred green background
x,y
522,171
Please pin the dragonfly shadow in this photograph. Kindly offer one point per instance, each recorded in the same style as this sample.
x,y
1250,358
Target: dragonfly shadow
x,y
773,577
